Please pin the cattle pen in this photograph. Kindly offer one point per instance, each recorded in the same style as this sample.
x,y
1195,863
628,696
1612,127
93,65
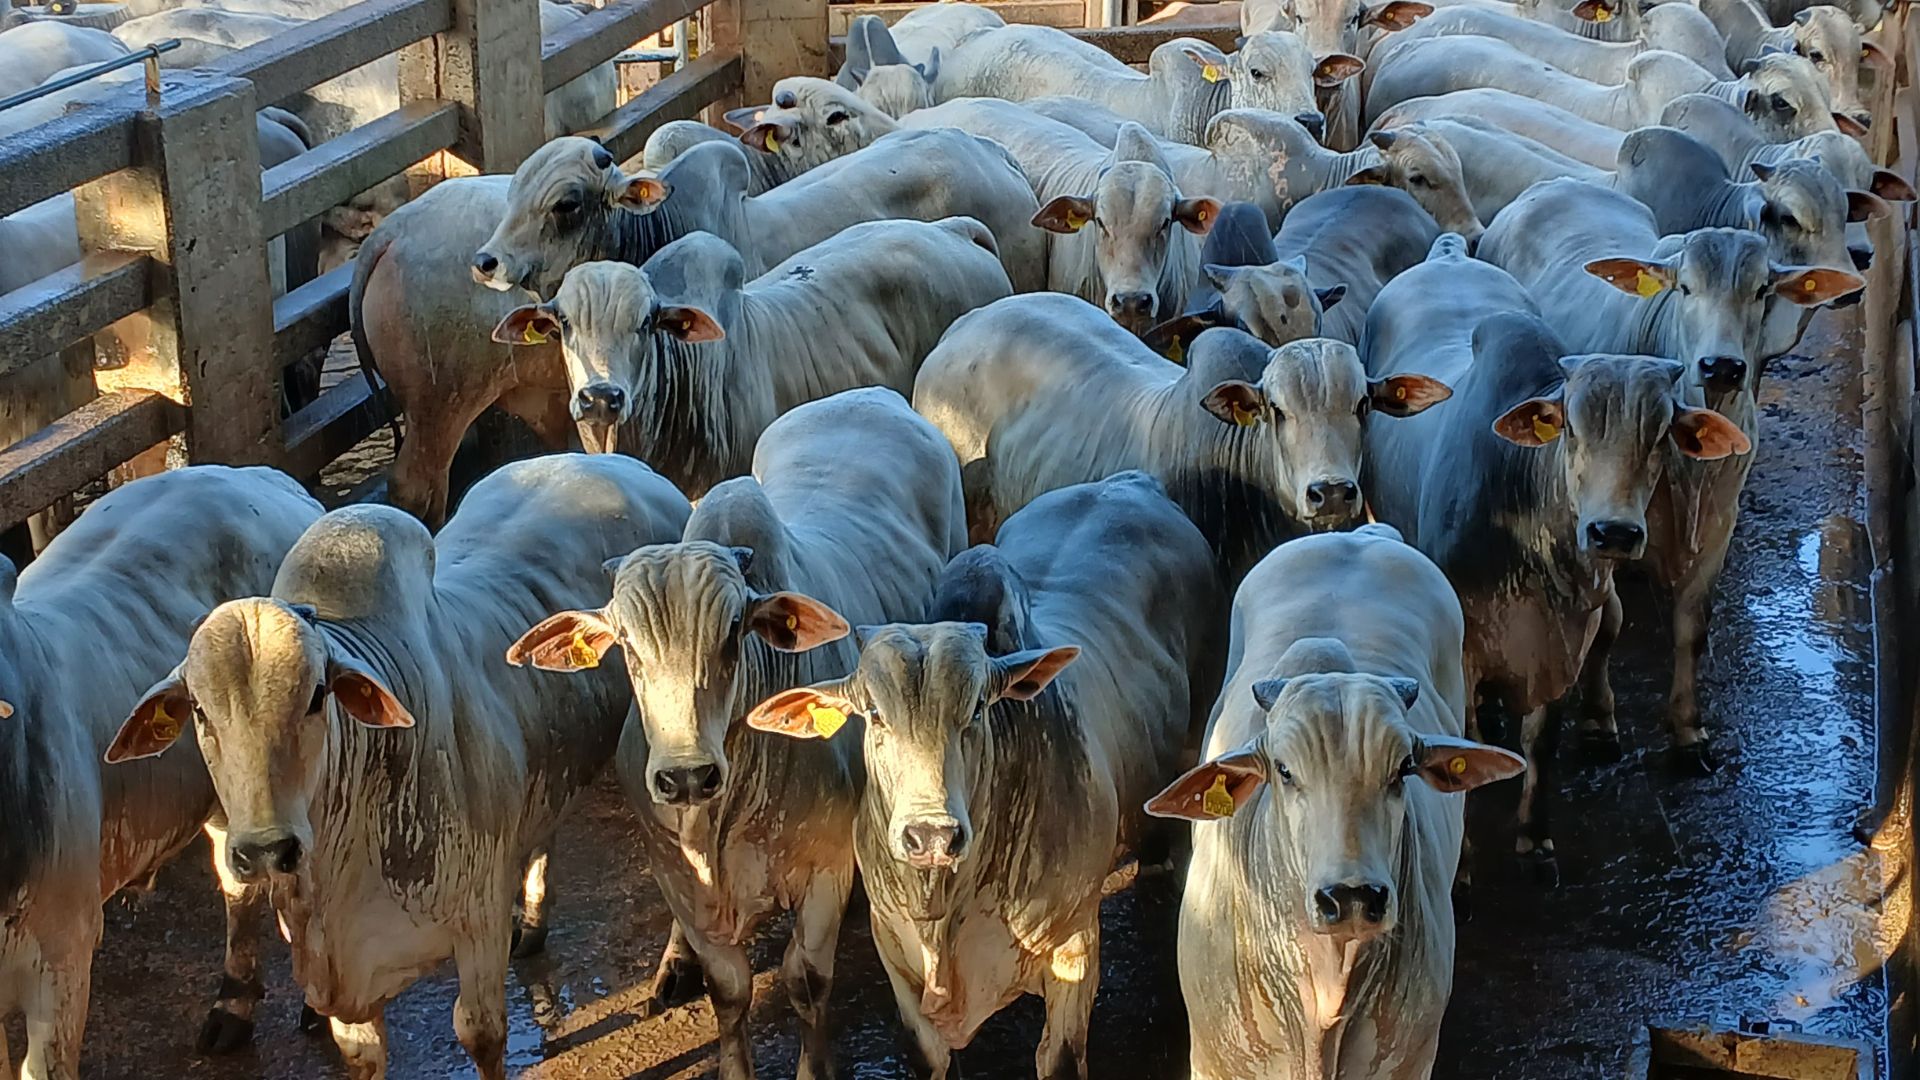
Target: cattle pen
x,y
173,313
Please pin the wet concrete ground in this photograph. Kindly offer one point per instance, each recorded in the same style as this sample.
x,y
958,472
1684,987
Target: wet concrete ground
x,y
1688,900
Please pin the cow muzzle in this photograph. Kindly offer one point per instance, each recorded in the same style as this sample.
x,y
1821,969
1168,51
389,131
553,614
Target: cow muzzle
x,y
255,858
935,844
1723,374
1351,907
1333,501
1133,310
599,408
686,785
1615,539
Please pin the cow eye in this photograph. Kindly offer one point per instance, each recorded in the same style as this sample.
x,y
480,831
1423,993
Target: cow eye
x,y
1816,56
1407,768
1788,221
566,206
1781,104
319,699
1685,291
1285,774
837,117
1417,180
1259,74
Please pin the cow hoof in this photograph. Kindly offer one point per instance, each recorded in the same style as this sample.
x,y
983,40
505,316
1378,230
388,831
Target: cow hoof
x,y
528,941
1600,747
677,984
1697,759
1543,868
311,1022
223,1033
1462,902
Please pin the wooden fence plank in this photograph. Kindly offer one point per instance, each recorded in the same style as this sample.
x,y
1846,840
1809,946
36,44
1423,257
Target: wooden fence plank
x,y
59,309
335,171
331,46
81,447
589,42
1134,44
56,157
679,96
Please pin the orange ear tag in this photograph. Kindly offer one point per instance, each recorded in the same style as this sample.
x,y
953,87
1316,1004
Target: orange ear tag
x,y
165,727
1647,285
1458,766
1544,430
581,654
1218,802
826,720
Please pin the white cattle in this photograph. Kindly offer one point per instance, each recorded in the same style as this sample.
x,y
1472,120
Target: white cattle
x,y
894,67
685,362
385,775
32,52
569,204
1316,930
853,508
1066,668
1253,443
1824,35
1361,237
1677,28
1741,143
1334,27
1496,165
1246,285
84,630
810,122
1577,137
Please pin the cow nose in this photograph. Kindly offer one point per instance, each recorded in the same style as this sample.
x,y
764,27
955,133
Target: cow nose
x,y
1332,498
1862,256
484,265
930,844
1133,305
253,861
686,786
601,401
1623,538
1315,123
1345,905
1723,372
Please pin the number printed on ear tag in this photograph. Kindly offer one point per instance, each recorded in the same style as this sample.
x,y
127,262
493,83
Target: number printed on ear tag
x,y
826,720
1218,801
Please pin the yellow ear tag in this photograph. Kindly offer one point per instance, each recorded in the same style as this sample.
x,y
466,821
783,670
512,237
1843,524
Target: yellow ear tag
x,y
1458,766
1244,416
581,653
1808,285
1176,352
773,143
793,622
1646,284
826,720
1212,72
1544,430
165,728
1399,393
1218,802
532,336
1076,222
1602,15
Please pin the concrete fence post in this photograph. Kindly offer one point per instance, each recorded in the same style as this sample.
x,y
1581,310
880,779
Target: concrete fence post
x,y
489,63
775,39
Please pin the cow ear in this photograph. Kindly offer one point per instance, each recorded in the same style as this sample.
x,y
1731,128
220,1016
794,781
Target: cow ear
x,y
766,138
643,193
1220,277
1266,692
743,118
1891,186
1405,395
1021,676
154,723
1065,214
528,324
689,324
804,712
1213,64
1641,277
569,641
1172,338
1875,57
1809,286
1197,215
1372,174
364,697
1330,295
1762,170
1336,68
1534,422
1453,765
1599,11
1849,126
1865,206
1707,435
791,622
1234,402
1396,14
1214,789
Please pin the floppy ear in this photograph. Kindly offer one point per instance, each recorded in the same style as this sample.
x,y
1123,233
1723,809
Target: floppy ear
x,y
1171,338
1849,126
689,324
792,622
1762,170
1236,402
1372,174
1336,68
766,138
1197,215
1453,765
643,193
1641,277
1875,57
1891,186
1383,140
1811,285
1396,14
1405,395
1266,692
1534,422
1213,789
1021,676
1330,295
569,641
528,324
743,118
1213,65
1707,435
1408,689
1865,205
804,712
364,697
154,723
1065,214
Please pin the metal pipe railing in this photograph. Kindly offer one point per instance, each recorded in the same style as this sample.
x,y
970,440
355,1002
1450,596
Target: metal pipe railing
x,y
149,56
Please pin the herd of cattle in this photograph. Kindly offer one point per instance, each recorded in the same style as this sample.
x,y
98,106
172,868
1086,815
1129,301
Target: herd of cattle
x,y
1464,304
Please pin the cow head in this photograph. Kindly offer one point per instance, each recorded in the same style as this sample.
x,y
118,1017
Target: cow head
x,y
1347,26
687,621
1828,39
1328,776
1785,96
811,122
560,208
926,694
1275,303
1275,71
265,689
881,74
1312,406
1425,165
1804,212
1609,422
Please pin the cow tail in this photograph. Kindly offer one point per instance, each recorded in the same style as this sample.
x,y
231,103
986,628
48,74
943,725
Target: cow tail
x,y
364,261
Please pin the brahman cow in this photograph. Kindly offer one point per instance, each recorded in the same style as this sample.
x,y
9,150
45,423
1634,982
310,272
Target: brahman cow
x,y
1584,140
1824,34
810,122
685,363
853,508
1673,27
1333,28
84,631
1362,237
1741,143
1246,285
1316,930
1009,745
894,68
1495,165
385,775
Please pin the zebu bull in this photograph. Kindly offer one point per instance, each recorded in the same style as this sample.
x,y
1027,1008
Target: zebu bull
x,y
1247,286
1361,236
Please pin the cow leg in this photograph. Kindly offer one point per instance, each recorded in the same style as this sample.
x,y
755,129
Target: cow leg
x,y
480,1012
423,467
229,1024
1068,985
363,1047
1540,737
57,1012
928,1056
730,987
1599,733
530,932
1692,612
808,967
678,979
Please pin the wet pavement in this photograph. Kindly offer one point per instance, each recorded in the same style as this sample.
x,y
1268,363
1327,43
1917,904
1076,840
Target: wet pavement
x,y
1682,899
